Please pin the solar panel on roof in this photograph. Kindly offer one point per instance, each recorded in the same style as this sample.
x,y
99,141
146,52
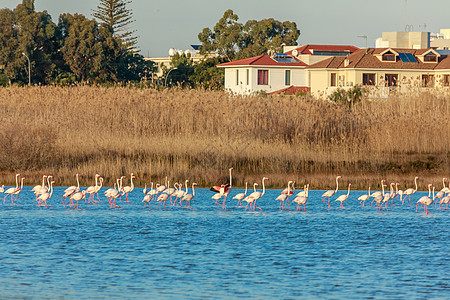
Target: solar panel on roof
x,y
286,60
411,57
407,57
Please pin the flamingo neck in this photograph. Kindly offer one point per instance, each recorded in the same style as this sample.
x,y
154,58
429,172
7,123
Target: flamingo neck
x,y
51,189
17,180
337,184
96,181
382,186
254,186
429,191
101,183
369,191
21,184
264,187
185,183
246,184
230,178
415,182
132,184
193,190
348,193
43,180
78,182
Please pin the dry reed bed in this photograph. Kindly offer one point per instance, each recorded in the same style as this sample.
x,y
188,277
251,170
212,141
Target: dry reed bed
x,y
199,134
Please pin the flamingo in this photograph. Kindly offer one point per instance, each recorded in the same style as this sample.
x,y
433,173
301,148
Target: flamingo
x,y
11,190
43,189
257,195
248,199
362,199
188,197
445,200
162,198
76,188
302,199
426,200
328,194
161,188
378,194
342,198
387,196
147,199
129,189
38,187
2,189
182,193
285,195
77,197
98,188
170,191
115,193
411,191
304,192
240,196
45,196
92,189
18,190
224,190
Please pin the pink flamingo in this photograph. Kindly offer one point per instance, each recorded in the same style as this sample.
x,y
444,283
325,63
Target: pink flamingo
x,y
362,199
302,198
257,195
342,198
285,195
223,190
162,199
70,191
147,199
411,191
129,189
77,197
38,187
189,197
426,200
328,194
240,196
18,190
92,189
378,194
11,190
45,196
289,192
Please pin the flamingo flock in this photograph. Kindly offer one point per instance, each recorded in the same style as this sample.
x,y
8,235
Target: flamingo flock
x,y
177,194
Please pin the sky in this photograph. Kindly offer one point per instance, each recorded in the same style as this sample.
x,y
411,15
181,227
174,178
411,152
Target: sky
x,y
161,25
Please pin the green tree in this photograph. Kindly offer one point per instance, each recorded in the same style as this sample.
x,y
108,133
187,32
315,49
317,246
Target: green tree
x,y
225,38
231,39
207,75
114,15
185,69
82,49
25,31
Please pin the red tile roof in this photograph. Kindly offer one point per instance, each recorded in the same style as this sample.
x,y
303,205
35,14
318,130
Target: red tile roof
x,y
292,90
261,60
366,59
309,49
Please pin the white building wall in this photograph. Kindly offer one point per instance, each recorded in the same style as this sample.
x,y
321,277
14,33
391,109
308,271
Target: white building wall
x,y
276,79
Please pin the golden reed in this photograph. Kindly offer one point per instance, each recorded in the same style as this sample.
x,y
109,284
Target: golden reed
x,y
198,135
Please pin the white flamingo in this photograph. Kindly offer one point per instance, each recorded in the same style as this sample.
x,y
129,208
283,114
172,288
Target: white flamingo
x,y
285,195
92,189
330,193
302,198
411,191
189,197
11,190
362,199
45,196
426,200
257,195
240,196
129,189
342,198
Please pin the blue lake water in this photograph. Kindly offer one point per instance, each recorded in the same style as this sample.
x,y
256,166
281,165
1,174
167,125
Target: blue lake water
x,y
126,252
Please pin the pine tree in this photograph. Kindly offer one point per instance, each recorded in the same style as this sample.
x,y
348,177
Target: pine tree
x,y
116,17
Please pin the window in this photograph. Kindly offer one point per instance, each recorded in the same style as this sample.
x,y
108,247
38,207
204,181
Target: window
x,y
368,78
429,57
391,79
248,76
427,80
331,53
446,80
388,57
333,79
287,77
237,77
263,77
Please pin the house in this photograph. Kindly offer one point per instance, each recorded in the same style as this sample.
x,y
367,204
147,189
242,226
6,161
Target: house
x,y
382,70
281,73
265,73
